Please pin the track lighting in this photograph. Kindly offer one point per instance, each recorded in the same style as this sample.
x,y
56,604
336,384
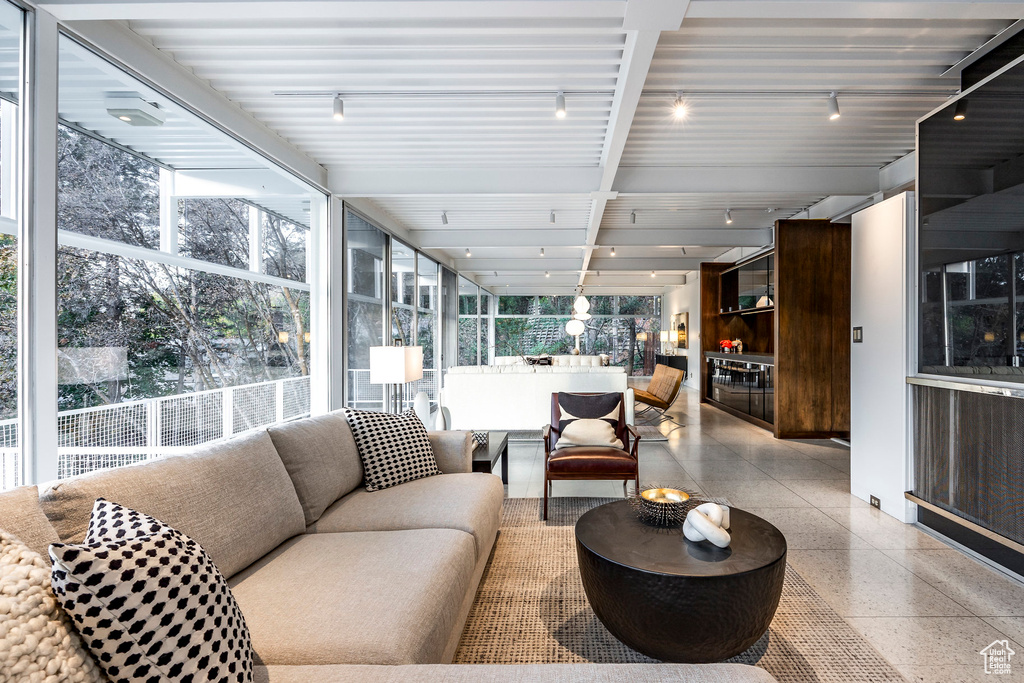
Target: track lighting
x,y
728,217
547,274
444,218
652,273
613,251
683,249
560,105
551,218
468,253
339,108
833,106
542,251
960,113
632,217
679,107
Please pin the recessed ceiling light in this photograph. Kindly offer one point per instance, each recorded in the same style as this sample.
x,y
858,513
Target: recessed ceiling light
x,y
833,106
339,108
961,110
728,217
444,218
679,107
560,105
135,111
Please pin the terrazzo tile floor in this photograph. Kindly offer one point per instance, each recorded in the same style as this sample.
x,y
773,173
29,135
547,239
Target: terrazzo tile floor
x,y
927,607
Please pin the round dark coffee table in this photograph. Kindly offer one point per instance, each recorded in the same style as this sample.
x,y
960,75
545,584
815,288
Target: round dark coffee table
x,y
675,600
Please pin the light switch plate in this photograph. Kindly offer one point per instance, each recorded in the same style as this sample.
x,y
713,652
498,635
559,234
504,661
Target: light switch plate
x,y
858,335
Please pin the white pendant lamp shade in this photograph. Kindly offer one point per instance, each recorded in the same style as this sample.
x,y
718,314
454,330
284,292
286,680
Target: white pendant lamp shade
x,y
575,328
582,316
395,364
581,305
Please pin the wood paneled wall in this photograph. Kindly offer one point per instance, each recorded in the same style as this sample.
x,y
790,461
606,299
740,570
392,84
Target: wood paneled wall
x,y
812,330
809,331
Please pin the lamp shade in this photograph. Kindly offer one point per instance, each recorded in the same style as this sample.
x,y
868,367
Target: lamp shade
x,y
395,364
664,335
581,305
575,327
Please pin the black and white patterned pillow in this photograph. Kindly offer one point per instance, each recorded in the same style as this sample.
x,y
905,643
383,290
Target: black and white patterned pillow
x,y
394,448
149,602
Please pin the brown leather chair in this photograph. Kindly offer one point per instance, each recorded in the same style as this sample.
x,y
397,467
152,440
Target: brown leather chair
x,y
589,462
662,391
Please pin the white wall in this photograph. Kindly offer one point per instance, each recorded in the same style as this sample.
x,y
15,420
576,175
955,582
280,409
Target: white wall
x,y
685,299
882,282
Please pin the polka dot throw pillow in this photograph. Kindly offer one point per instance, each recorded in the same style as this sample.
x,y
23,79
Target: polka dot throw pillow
x,y
149,603
394,448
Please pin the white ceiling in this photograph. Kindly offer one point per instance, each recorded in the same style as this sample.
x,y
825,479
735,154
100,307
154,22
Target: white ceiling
x,y
450,108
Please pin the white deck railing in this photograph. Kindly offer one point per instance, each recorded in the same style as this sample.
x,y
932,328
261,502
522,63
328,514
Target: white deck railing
x,y
124,433
366,396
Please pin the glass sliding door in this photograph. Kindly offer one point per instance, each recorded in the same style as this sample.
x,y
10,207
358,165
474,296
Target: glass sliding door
x,y
469,323
403,293
365,248
13,469
427,306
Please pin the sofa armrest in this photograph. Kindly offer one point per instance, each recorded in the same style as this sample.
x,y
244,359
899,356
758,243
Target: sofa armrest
x,y
452,450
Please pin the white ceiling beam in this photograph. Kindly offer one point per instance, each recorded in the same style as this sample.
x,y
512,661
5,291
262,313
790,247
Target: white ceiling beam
x,y
644,265
710,237
506,180
860,9
245,183
811,180
482,237
321,10
644,22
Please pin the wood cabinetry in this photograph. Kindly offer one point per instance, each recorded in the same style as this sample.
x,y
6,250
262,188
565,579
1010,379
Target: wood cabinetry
x,y
808,331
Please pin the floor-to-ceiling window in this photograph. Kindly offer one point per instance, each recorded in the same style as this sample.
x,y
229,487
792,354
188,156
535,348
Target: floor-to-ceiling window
x,y
403,293
469,322
366,256
183,306
626,328
12,466
427,322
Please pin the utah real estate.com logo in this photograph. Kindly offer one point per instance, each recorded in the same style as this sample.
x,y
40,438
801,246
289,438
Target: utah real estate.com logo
x,y
997,657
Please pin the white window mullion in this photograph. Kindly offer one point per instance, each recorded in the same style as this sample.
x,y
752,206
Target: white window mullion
x,y
168,213
37,281
256,240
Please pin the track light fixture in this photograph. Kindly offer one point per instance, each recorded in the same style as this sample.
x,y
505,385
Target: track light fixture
x,y
339,108
444,218
551,218
613,251
542,252
683,249
468,252
632,217
960,113
560,105
833,106
652,273
728,217
547,274
679,107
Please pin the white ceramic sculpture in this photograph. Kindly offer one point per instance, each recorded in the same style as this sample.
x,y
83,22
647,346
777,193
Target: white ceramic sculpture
x,y
708,522
421,406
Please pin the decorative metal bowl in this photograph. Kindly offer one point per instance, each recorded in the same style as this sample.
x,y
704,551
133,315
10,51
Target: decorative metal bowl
x,y
661,506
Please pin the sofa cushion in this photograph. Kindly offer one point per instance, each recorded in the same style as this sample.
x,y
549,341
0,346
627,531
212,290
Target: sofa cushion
x,y
37,640
469,502
388,597
517,673
21,515
233,497
321,458
149,602
394,448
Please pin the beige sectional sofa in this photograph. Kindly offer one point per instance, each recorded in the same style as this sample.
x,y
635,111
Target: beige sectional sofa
x,y
336,583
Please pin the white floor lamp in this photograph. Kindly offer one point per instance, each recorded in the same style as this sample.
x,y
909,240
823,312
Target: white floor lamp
x,y
396,365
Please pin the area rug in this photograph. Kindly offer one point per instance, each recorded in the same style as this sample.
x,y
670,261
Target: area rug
x,y
531,608
647,433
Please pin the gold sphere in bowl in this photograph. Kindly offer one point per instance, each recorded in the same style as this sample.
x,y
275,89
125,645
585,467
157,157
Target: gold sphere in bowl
x,y
665,496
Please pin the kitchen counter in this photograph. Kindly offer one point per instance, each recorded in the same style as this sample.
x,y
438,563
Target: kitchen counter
x,y
758,358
